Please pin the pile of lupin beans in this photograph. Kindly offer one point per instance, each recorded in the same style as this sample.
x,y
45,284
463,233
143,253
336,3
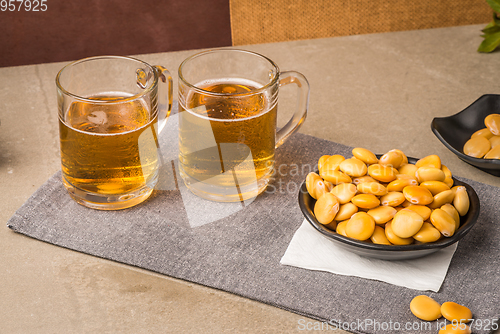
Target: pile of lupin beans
x,y
426,308
485,143
387,201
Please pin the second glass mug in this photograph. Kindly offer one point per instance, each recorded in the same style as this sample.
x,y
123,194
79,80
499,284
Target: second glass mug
x,y
227,122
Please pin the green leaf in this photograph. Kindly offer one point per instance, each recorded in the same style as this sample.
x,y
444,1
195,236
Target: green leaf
x,y
489,25
496,20
490,42
491,30
494,4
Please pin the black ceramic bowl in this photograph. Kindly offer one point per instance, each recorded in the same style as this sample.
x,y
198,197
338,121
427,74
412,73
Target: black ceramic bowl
x,y
454,131
391,252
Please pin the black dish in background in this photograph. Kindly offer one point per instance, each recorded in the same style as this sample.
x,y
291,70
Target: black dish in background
x,y
391,252
454,131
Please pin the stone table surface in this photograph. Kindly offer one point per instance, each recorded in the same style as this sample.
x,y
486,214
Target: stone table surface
x,y
379,91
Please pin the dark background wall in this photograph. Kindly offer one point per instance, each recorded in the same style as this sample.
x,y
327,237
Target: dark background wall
x,y
74,29
70,30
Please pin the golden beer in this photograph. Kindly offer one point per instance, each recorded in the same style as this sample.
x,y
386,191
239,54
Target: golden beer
x,y
109,150
227,122
227,138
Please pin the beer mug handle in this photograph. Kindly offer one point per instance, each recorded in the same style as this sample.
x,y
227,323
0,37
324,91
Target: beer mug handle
x,y
289,77
164,100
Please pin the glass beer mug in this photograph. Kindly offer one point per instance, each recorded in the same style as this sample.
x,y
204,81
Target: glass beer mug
x,y
228,103
109,109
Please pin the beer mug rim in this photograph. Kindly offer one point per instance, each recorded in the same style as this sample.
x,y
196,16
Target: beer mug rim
x,y
273,81
145,91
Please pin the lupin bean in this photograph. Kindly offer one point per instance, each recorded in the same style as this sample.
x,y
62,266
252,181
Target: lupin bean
x,y
485,132
365,201
321,186
322,160
427,233
393,238
418,195
443,222
425,308
382,173
494,153
399,184
429,174
373,188
412,178
382,214
341,227
494,141
360,226
477,147
393,198
406,204
406,223
367,156
346,211
448,180
492,122
392,158
442,198
310,180
405,158
435,187
446,171
408,169
455,329
456,312
332,163
353,167
326,208
429,161
461,200
344,192
366,178
378,237
336,177
450,209
422,210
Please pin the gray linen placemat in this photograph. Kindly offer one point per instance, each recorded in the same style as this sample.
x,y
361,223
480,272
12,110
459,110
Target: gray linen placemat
x,y
238,248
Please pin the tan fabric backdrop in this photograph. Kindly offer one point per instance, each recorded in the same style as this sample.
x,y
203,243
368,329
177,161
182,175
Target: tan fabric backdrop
x,y
262,21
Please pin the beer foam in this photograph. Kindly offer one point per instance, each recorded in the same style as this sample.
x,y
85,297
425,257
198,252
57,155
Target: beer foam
x,y
99,117
220,81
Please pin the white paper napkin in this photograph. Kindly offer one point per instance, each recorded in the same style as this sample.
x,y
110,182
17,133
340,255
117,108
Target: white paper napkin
x,y
311,250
